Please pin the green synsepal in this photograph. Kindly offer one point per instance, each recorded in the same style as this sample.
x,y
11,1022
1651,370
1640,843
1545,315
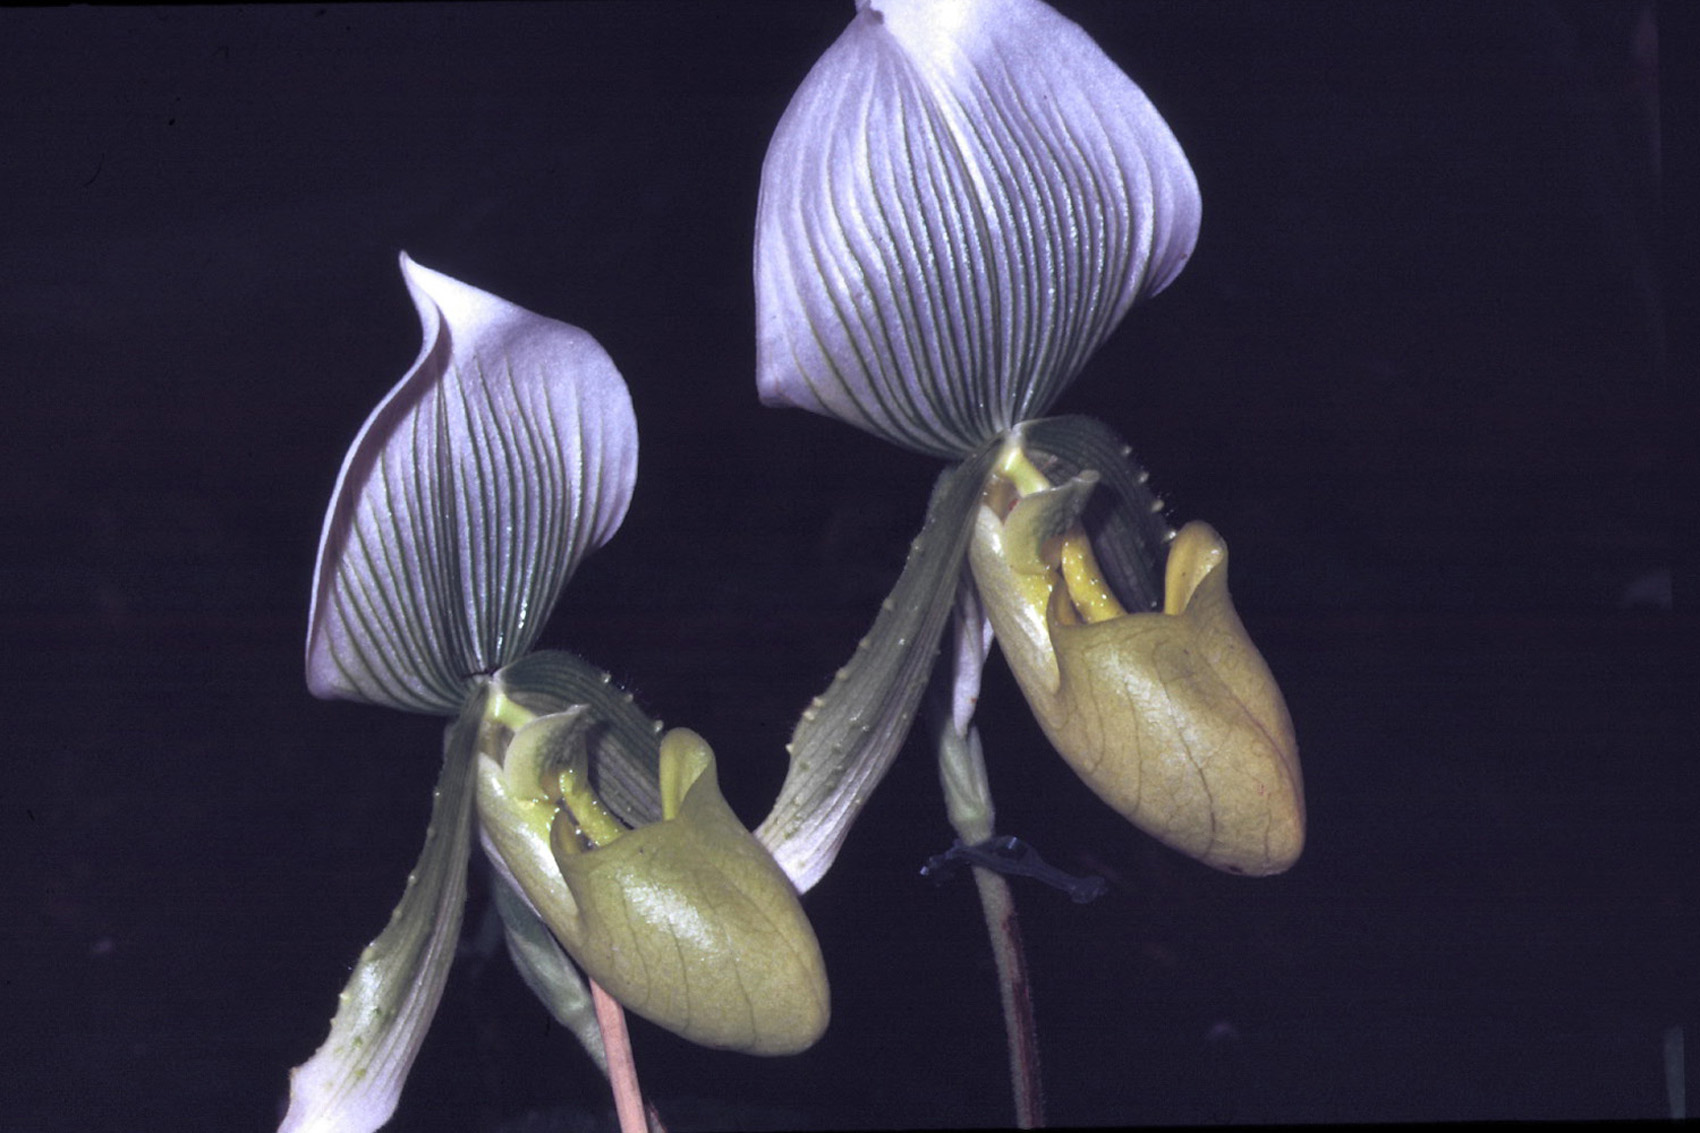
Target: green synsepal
x,y
547,970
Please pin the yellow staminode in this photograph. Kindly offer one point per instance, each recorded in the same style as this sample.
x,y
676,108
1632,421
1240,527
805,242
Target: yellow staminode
x,y
1090,598
1087,588
548,759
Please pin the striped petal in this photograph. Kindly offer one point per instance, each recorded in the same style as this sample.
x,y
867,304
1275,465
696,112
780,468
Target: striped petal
x,y
505,455
961,202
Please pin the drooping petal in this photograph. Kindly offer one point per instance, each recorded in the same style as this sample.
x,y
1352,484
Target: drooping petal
x,y
846,740
354,1080
961,202
505,455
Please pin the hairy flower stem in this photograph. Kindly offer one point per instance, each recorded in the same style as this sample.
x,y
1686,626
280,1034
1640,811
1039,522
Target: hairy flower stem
x,y
622,1069
998,904
968,802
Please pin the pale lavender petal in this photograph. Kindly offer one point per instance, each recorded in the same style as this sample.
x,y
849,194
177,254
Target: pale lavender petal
x,y
961,202
972,632
505,455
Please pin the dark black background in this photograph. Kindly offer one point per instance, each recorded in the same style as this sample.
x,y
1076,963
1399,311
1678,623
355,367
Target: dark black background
x,y
1415,374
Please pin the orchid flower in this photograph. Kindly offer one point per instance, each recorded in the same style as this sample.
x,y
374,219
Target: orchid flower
x,y
506,454
960,204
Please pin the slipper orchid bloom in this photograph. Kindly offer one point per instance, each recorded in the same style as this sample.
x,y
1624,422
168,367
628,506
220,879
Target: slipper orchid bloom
x,y
506,454
960,204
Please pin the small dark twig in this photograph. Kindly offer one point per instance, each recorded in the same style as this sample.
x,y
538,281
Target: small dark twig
x,y
1010,855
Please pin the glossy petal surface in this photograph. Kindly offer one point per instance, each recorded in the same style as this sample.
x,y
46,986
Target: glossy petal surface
x,y
961,202
506,454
